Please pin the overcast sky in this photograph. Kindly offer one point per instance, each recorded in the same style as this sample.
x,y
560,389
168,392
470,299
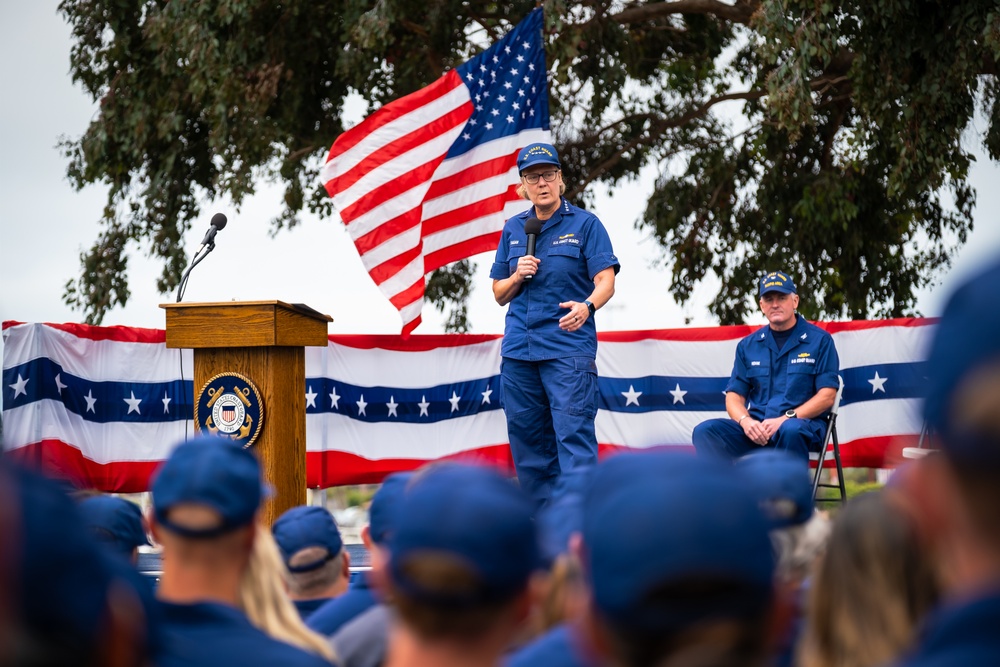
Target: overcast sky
x,y
45,225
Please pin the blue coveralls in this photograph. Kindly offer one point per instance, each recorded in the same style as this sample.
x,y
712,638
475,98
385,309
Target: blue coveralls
x,y
774,382
549,376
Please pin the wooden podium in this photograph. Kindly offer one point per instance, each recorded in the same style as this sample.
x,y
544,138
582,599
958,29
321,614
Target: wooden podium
x,y
263,341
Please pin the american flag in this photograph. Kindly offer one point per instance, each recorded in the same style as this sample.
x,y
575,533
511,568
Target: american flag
x,y
103,406
430,178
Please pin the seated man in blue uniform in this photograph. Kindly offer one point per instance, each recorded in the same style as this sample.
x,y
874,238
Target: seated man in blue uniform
x,y
206,498
783,383
555,268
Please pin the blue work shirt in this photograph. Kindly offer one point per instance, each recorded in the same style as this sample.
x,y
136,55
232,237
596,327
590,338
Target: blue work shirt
x,y
307,607
559,647
573,247
213,634
356,600
774,381
963,634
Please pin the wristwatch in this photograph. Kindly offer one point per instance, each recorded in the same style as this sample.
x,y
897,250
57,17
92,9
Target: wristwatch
x,y
791,414
590,307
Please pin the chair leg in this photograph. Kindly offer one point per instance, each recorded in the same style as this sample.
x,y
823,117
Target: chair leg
x,y
840,468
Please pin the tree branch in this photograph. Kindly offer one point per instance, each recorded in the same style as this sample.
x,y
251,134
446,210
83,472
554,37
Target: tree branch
x,y
738,13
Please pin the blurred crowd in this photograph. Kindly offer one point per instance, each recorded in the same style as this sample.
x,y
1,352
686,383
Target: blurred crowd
x,y
655,558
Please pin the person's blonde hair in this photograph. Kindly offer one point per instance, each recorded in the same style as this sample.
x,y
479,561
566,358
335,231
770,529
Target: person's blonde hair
x,y
872,588
267,605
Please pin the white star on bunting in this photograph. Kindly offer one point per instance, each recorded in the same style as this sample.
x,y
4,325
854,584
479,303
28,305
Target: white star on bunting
x,y
311,397
678,394
19,386
392,405
454,401
334,399
423,405
486,395
90,401
133,404
631,396
361,406
166,403
877,383
59,385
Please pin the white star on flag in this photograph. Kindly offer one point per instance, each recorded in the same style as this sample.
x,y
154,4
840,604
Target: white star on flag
x,y
133,404
423,405
59,385
678,394
361,406
877,383
334,399
486,395
631,396
19,386
454,401
392,405
310,397
166,403
90,401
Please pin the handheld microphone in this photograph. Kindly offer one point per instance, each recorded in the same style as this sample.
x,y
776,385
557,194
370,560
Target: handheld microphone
x,y
218,224
532,227
208,245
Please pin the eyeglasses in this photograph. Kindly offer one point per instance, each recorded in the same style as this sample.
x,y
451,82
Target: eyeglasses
x,y
549,176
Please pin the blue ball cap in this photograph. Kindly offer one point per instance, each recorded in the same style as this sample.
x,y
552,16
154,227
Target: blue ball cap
x,y
475,516
385,504
115,521
653,520
776,281
782,485
533,154
963,369
303,527
210,471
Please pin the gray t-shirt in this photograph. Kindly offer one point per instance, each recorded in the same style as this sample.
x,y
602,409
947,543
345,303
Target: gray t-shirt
x,y
362,642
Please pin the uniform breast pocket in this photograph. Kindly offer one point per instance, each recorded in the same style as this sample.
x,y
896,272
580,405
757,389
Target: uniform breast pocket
x,y
801,382
513,255
760,383
563,260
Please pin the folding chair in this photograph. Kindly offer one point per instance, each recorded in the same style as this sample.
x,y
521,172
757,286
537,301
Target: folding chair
x,y
831,449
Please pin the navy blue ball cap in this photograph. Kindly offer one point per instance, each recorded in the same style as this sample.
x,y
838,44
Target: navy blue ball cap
x,y
655,520
385,504
963,369
304,527
213,472
469,515
115,521
537,153
776,281
782,485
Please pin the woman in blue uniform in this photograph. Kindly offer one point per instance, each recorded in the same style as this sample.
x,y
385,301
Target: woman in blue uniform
x,y
549,370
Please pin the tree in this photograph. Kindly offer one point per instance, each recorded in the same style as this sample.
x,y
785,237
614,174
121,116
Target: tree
x,y
824,138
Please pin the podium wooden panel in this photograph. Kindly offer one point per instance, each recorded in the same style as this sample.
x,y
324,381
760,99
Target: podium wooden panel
x,y
265,342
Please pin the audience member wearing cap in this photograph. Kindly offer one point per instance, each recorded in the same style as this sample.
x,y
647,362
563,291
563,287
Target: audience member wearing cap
x,y
206,497
873,588
549,350
559,637
679,563
462,561
64,600
264,598
117,523
782,485
317,567
783,384
360,597
955,494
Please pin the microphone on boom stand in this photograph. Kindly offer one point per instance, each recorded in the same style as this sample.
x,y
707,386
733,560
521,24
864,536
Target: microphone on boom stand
x,y
207,246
